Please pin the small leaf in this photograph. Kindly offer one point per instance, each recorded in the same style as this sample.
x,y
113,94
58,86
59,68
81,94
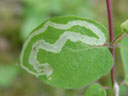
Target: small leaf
x,y
95,90
124,53
64,52
124,26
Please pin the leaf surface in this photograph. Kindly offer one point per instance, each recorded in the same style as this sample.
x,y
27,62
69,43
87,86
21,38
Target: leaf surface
x,y
95,90
66,52
124,53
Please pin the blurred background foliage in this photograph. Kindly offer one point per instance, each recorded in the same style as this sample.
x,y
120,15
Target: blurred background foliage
x,y
19,17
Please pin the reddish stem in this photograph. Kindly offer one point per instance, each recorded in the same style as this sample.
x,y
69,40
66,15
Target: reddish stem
x,y
110,20
111,34
119,38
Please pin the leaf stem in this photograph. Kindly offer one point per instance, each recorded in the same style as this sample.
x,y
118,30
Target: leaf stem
x,y
110,20
120,37
111,34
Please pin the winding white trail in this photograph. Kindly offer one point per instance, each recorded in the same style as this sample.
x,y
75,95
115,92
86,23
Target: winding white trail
x,y
45,69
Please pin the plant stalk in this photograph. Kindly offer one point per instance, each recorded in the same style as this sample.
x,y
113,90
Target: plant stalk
x,y
120,37
111,34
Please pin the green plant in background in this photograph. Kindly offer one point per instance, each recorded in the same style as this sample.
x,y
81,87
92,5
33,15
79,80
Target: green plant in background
x,y
71,52
38,10
7,76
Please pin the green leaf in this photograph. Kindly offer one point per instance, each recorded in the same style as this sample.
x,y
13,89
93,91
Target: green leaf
x,y
7,75
124,53
124,26
64,52
95,90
